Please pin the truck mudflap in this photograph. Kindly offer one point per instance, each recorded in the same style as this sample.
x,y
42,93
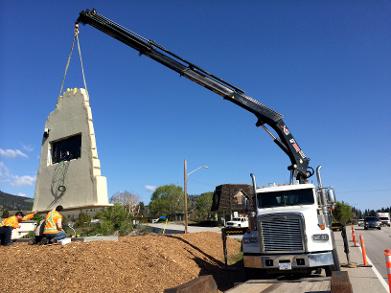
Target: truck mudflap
x,y
288,262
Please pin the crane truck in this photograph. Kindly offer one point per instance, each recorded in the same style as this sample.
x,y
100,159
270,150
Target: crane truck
x,y
291,223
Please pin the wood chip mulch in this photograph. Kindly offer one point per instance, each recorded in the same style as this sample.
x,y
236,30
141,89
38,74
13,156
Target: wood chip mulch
x,y
149,263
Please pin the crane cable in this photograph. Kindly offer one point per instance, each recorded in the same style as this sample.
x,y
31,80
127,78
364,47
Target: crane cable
x,y
75,39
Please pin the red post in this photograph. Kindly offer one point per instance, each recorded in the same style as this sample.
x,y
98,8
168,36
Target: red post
x,y
387,254
354,237
364,252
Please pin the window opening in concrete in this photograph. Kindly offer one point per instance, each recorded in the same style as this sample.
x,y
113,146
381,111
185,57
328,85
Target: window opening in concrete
x,y
66,149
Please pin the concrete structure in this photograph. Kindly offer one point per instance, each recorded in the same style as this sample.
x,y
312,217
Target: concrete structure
x,y
69,172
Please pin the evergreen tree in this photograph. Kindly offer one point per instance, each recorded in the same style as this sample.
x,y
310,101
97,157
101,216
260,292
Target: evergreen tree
x,y
343,213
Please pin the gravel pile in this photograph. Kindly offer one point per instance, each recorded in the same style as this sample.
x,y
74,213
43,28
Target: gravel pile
x,y
147,263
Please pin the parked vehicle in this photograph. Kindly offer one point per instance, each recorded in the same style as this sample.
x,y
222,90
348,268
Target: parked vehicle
x,y
239,222
292,230
384,218
360,222
372,222
160,219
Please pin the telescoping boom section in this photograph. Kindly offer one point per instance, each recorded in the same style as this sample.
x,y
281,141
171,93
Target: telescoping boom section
x,y
265,116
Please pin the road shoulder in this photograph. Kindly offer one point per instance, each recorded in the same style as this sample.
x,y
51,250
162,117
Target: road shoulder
x,y
363,279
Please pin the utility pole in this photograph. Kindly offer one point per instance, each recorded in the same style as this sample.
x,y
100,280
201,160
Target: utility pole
x,y
185,192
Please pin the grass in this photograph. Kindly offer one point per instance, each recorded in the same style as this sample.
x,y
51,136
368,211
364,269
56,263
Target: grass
x,y
235,258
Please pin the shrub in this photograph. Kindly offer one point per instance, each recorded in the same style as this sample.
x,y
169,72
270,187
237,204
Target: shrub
x,y
115,218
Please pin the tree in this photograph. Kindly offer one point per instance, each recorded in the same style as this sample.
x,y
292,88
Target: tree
x,y
84,220
342,213
115,218
129,200
166,200
141,209
203,204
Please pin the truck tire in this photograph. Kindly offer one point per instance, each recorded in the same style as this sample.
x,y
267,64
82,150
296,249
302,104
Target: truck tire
x,y
250,273
254,273
329,270
335,267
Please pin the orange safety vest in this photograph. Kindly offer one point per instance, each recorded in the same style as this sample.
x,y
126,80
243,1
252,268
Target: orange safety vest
x,y
28,217
51,222
13,221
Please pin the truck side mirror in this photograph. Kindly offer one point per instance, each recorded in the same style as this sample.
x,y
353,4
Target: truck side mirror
x,y
331,195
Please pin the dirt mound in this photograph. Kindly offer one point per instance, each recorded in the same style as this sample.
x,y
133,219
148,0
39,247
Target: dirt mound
x,y
148,263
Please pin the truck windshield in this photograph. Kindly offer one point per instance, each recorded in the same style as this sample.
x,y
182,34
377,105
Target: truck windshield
x,y
285,198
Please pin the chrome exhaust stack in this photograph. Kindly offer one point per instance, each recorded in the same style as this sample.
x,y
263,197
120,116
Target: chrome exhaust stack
x,y
318,178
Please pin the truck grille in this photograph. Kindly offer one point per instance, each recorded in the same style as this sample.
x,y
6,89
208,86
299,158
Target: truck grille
x,y
281,233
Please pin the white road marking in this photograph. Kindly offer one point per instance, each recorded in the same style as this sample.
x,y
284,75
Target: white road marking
x,y
378,275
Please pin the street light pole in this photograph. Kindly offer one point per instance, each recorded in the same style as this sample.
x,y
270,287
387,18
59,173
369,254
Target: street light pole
x,y
185,177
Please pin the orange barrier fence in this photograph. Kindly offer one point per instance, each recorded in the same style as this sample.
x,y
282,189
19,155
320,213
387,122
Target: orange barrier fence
x,y
387,254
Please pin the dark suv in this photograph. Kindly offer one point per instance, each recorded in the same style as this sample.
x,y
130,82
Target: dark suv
x,y
372,222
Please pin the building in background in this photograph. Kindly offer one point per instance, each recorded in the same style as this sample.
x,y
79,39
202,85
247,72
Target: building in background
x,y
229,200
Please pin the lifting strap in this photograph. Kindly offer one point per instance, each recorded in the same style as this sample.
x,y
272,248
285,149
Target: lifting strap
x,y
75,39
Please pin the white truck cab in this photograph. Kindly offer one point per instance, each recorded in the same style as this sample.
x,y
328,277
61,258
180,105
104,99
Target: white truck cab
x,y
290,230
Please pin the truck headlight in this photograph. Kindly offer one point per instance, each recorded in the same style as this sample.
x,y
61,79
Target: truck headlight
x,y
320,237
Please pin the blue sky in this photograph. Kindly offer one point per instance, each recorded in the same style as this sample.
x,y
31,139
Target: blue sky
x,y
325,65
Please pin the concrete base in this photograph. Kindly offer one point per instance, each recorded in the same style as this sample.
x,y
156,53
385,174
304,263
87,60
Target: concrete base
x,y
100,238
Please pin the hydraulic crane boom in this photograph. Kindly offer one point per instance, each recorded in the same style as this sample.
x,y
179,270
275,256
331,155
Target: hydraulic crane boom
x,y
299,162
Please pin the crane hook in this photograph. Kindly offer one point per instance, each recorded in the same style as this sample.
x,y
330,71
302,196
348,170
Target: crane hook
x,y
76,29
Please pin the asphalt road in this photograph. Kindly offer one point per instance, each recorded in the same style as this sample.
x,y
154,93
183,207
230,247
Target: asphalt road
x,y
376,241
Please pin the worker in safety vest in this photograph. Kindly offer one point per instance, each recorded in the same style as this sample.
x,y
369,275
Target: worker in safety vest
x,y
10,223
53,225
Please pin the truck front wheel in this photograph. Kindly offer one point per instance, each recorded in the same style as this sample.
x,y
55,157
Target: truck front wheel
x,y
328,271
250,273
254,273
